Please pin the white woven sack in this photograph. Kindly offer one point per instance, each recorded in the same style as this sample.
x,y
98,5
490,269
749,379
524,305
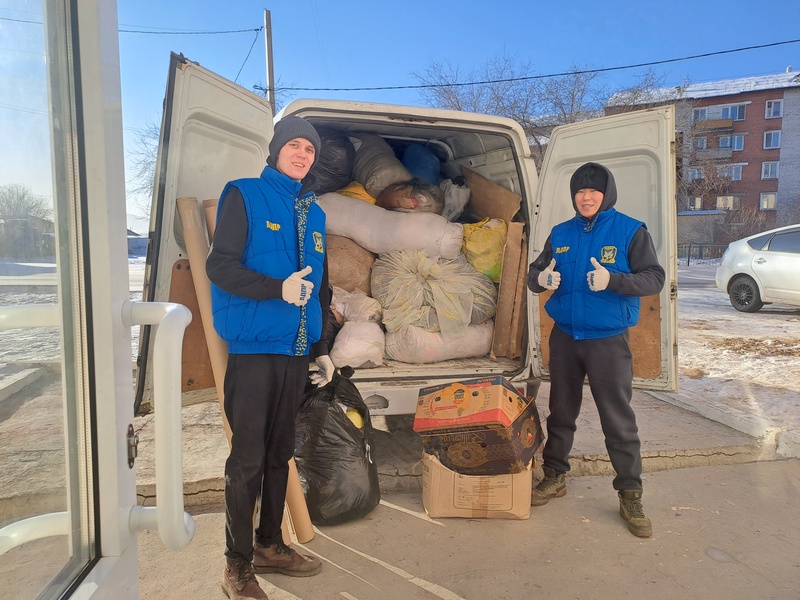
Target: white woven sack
x,y
359,344
375,165
380,230
415,345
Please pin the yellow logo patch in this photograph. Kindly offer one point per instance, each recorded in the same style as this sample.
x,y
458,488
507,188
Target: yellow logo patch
x,y
562,249
318,242
273,226
608,254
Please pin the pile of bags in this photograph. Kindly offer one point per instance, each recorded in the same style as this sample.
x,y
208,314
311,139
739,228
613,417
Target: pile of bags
x,y
410,281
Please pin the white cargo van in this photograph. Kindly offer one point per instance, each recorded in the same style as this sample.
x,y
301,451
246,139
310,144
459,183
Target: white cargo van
x,y
214,131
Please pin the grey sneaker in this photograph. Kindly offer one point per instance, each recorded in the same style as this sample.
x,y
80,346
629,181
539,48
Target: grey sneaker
x,y
554,485
631,509
239,581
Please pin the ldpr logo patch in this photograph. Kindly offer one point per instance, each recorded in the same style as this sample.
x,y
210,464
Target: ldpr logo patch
x,y
608,254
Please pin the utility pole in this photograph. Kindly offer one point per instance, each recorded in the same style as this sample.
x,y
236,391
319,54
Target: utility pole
x,y
268,50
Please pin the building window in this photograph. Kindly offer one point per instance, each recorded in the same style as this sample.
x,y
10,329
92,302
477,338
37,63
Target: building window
x,y
732,172
700,143
767,201
728,202
774,109
695,173
772,140
737,112
699,114
732,142
769,170
696,203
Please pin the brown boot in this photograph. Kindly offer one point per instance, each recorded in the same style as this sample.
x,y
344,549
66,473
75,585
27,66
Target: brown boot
x,y
554,485
279,558
239,581
630,509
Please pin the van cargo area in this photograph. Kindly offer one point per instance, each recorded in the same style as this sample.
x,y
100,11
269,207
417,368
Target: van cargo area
x,y
391,388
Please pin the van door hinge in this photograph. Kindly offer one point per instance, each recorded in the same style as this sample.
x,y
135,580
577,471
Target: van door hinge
x,y
133,446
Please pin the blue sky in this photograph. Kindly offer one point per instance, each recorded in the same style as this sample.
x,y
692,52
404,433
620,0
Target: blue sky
x,y
349,44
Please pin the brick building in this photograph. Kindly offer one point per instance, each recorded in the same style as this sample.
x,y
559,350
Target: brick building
x,y
739,153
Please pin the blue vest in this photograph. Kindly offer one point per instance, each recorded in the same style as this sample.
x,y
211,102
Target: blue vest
x,y
574,307
284,234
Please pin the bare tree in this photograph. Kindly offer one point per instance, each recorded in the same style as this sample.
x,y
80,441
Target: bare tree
x,y
738,224
143,155
17,201
507,87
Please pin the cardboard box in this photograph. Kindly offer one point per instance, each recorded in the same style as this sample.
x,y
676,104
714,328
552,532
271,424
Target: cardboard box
x,y
478,426
446,493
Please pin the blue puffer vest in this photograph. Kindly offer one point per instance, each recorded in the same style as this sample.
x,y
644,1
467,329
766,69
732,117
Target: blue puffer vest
x,y
282,229
574,307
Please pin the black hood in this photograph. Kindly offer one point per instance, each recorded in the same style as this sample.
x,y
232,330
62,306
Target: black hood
x,y
595,176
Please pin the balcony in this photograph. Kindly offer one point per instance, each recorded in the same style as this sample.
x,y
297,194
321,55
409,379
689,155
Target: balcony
x,y
714,154
713,125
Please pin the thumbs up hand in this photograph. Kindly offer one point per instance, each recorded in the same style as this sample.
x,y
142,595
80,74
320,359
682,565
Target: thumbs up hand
x,y
598,279
297,290
549,278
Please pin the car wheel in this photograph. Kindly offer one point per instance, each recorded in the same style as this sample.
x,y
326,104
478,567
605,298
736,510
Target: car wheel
x,y
744,295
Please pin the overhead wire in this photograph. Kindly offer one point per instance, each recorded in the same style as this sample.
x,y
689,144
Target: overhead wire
x,y
455,84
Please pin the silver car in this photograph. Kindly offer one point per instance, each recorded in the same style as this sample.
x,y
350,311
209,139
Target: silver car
x,y
762,269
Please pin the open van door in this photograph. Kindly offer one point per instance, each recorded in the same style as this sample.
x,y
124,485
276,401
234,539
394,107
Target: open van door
x,y
639,149
212,131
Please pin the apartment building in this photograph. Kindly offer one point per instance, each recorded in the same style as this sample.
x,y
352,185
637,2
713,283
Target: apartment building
x,y
739,153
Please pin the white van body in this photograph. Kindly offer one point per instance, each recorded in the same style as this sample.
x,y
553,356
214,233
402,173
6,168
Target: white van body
x,y
214,131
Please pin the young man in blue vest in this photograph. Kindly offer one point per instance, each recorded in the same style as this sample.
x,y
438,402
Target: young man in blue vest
x,y
598,265
270,300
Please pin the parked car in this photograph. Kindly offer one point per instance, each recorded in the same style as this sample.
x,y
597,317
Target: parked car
x,y
762,269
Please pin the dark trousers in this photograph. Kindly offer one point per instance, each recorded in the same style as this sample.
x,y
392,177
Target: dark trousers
x,y
607,363
263,393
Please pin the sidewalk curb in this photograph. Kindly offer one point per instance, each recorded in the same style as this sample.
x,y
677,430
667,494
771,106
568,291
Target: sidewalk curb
x,y
773,439
11,384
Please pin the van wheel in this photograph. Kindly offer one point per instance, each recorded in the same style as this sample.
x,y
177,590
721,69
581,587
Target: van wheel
x,y
744,295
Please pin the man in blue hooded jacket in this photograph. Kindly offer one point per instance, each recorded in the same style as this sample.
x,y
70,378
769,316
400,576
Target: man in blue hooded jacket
x,y
598,265
270,300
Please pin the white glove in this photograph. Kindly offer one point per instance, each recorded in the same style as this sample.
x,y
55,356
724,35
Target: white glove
x,y
550,278
297,290
598,279
325,372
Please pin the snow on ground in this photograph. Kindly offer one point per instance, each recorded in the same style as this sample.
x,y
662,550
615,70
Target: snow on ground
x,y
748,362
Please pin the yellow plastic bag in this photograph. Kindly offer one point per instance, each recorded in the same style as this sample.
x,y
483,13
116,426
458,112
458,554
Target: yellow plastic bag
x,y
356,190
483,246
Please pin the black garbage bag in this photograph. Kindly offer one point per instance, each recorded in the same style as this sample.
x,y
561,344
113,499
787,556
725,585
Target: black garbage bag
x,y
332,170
334,457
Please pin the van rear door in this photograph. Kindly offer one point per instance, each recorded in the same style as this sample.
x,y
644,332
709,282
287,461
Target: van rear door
x,y
638,148
212,131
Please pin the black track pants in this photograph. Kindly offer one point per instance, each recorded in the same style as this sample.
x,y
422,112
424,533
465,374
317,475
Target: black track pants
x,y
608,364
263,393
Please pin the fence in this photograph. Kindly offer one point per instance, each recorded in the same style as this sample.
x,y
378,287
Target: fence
x,y
700,252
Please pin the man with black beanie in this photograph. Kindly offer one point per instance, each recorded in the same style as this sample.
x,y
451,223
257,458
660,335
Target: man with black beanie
x,y
598,265
270,300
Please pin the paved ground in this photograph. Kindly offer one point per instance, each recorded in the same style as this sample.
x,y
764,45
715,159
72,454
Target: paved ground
x,y
720,532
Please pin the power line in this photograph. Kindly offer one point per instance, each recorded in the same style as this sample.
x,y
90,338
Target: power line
x,y
151,31
530,77
255,39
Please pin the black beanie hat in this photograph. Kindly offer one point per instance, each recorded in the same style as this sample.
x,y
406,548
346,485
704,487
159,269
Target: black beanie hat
x,y
288,129
590,175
